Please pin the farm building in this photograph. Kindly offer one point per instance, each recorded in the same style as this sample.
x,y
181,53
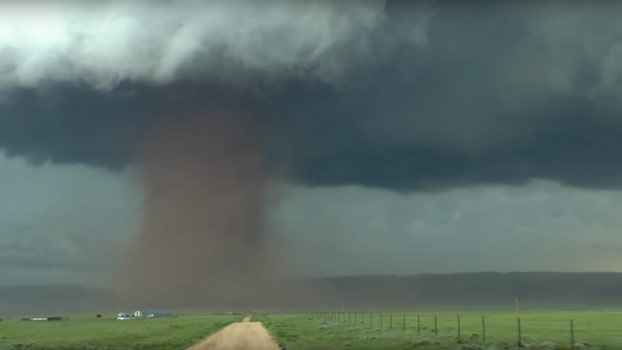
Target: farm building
x,y
152,314
123,316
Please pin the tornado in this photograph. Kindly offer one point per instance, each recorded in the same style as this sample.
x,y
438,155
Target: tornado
x,y
203,237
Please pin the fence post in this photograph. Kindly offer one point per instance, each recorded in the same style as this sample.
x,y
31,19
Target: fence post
x,y
572,347
355,317
404,322
371,318
519,343
363,317
391,321
483,328
435,326
418,325
459,327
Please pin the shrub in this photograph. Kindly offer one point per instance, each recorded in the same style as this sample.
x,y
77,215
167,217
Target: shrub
x,y
471,347
421,341
538,345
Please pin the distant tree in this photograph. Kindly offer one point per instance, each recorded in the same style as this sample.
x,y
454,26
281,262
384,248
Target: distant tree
x,y
99,316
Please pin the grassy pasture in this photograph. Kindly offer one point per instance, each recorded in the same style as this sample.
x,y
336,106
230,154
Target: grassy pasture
x,y
540,329
90,333
602,329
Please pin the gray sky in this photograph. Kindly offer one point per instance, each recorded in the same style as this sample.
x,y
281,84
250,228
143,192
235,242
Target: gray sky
x,y
395,138
71,224
541,226
64,223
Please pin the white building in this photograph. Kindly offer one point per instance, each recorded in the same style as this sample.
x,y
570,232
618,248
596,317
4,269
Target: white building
x,y
152,313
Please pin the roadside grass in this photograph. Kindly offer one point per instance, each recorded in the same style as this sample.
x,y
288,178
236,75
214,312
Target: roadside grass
x,y
90,333
541,329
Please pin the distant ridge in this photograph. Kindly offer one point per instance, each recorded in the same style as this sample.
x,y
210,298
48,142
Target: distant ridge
x,y
54,299
384,291
475,288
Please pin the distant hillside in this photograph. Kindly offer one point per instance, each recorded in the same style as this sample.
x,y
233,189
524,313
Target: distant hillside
x,y
434,290
54,299
472,288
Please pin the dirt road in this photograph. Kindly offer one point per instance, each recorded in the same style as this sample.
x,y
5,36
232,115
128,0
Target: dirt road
x,y
243,335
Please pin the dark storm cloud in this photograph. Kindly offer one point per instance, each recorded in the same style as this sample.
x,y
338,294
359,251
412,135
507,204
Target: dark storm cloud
x,y
400,97
73,125
491,98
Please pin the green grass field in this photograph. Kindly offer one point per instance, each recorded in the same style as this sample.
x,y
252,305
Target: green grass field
x,y
86,333
540,330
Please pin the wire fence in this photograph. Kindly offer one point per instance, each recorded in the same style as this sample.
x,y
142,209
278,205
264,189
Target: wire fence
x,y
576,331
